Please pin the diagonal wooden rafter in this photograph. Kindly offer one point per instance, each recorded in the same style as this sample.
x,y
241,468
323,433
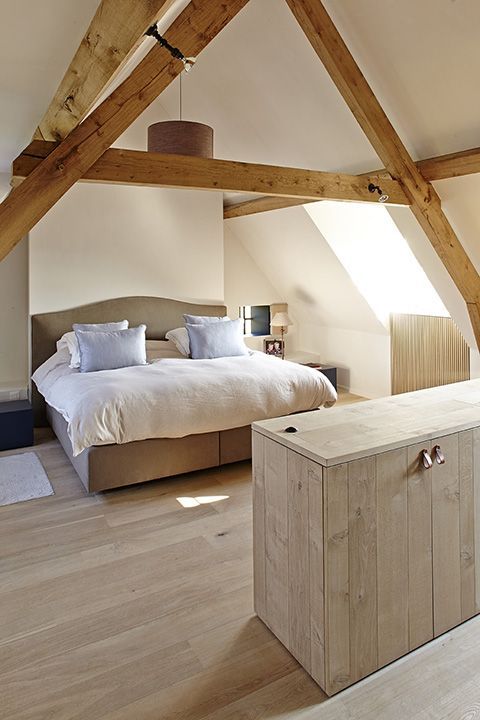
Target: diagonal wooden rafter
x,y
195,27
134,167
116,30
441,167
425,203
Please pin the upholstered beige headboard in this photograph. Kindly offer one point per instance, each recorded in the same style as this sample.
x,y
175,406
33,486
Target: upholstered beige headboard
x,y
159,315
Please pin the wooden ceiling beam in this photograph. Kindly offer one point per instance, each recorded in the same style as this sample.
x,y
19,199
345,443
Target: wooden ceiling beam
x,y
115,32
441,167
458,164
260,205
425,203
27,203
133,167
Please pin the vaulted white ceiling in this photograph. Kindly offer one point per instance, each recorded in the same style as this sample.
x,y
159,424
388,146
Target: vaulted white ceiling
x,y
262,88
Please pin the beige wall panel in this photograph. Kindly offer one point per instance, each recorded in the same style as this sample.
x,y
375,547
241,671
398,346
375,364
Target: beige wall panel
x,y
426,351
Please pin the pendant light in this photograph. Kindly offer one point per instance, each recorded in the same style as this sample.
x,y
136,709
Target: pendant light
x,y
179,137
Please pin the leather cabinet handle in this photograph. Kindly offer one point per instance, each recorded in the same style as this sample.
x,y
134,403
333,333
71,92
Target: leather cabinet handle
x,y
426,460
439,456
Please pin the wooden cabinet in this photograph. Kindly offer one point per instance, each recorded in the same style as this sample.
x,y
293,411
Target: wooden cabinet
x,y
360,562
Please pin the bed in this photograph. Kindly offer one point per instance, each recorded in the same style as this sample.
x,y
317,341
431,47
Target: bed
x,y
218,398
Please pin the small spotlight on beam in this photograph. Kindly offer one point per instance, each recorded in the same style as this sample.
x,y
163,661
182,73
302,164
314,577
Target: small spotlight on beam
x,y
375,188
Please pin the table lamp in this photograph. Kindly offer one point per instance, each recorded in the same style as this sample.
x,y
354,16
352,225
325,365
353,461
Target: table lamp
x,y
281,320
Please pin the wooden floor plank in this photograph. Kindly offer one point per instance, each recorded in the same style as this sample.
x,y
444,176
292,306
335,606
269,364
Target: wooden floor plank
x,y
127,605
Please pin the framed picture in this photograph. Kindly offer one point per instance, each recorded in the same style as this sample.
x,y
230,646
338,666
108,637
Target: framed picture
x,y
273,347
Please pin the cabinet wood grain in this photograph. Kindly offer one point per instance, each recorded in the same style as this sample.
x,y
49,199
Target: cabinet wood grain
x,y
357,564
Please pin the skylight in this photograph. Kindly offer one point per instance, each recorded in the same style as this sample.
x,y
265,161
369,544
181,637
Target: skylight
x,y
377,257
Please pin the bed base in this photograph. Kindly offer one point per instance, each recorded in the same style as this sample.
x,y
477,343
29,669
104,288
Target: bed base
x,y
104,467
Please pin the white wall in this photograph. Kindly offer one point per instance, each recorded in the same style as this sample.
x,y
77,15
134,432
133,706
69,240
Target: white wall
x,y
362,358
331,318
13,312
104,241
246,283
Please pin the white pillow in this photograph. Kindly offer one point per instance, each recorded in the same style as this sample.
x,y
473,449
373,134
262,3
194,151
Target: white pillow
x,y
217,339
69,341
179,337
158,349
203,319
111,350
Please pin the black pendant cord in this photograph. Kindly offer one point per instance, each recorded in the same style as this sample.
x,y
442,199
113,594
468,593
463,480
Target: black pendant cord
x,y
174,51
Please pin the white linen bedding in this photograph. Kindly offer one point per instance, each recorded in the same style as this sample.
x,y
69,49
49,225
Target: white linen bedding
x,y
177,397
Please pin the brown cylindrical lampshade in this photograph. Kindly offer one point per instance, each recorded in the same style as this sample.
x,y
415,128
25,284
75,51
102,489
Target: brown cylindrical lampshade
x,y
181,137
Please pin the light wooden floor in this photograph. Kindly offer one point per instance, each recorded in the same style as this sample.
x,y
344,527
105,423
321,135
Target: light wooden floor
x,y
128,605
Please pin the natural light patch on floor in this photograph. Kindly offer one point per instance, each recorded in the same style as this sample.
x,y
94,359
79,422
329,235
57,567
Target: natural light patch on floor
x,y
377,257
189,502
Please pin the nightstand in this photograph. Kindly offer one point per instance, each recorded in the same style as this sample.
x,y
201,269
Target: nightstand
x,y
328,370
16,424
310,360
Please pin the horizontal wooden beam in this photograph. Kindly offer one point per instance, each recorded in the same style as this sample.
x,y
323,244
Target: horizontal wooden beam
x,y
458,164
260,205
441,167
133,167
116,30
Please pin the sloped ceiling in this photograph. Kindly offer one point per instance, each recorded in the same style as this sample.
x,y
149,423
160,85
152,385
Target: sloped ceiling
x,y
300,264
268,97
37,42
421,59
263,88
270,100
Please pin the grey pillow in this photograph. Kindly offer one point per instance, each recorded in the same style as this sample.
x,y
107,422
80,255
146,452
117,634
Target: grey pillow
x,y
101,327
203,319
217,339
111,350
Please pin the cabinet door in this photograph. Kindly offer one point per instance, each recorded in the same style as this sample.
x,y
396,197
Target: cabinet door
x,y
453,530
378,562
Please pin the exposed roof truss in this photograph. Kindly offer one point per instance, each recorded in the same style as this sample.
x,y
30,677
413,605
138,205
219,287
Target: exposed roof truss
x,y
84,146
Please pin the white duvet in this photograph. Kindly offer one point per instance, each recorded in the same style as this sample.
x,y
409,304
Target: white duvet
x,y
177,397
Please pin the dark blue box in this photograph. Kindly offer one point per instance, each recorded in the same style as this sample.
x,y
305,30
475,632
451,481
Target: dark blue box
x,y
16,424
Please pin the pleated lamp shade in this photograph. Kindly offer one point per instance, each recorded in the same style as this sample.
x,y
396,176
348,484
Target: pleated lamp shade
x,y
281,320
181,137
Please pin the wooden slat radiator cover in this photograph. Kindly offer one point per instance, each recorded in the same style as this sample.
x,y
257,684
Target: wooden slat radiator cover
x,y
426,351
